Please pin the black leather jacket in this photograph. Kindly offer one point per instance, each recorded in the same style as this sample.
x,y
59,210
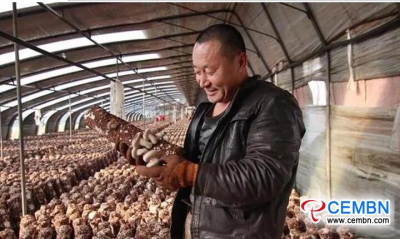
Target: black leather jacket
x,y
248,168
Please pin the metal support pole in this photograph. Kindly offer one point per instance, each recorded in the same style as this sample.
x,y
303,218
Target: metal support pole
x,y
328,123
143,105
1,135
155,101
20,118
116,65
70,119
296,8
314,23
293,79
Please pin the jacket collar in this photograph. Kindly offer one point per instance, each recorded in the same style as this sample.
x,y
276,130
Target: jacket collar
x,y
248,84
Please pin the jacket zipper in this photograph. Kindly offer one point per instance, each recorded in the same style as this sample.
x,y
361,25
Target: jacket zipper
x,y
196,221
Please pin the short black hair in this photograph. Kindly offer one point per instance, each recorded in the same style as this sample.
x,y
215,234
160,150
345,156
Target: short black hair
x,y
231,40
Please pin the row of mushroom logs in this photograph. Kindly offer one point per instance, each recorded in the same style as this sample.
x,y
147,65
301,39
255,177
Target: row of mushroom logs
x,y
54,165
176,133
49,174
154,126
38,146
114,203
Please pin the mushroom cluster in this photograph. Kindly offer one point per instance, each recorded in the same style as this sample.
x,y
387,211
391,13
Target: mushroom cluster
x,y
114,203
117,130
49,174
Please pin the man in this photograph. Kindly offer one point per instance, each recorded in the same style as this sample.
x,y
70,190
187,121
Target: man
x,y
241,148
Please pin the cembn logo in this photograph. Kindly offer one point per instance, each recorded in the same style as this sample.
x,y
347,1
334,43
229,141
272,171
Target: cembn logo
x,y
348,208
313,210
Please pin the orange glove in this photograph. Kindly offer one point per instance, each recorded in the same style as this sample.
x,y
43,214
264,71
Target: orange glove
x,y
175,172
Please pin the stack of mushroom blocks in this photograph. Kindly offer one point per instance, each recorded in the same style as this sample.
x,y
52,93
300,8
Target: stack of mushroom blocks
x,y
154,126
175,133
51,170
114,203
77,189
39,146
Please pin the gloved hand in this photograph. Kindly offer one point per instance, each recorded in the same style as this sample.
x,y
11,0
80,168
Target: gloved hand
x,y
175,172
139,152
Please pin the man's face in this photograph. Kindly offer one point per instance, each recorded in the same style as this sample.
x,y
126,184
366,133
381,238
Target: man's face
x,y
217,74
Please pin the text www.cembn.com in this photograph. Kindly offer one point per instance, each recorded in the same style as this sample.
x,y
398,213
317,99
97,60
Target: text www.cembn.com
x,y
358,220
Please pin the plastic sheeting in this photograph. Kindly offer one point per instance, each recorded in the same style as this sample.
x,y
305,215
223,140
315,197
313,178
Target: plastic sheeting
x,y
395,142
363,165
284,79
374,58
364,155
117,99
311,174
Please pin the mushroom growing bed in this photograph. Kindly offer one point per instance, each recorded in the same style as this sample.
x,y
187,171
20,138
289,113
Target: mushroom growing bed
x,y
114,203
49,172
66,180
82,189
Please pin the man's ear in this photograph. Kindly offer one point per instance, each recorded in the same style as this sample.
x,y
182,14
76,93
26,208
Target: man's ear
x,y
242,62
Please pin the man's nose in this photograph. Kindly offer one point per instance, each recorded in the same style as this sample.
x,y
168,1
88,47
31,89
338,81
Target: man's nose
x,y
203,82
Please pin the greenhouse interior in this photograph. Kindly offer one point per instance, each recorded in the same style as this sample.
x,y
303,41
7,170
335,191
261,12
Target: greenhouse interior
x,y
61,177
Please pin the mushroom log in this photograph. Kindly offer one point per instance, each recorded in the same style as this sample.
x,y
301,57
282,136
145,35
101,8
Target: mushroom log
x,y
116,130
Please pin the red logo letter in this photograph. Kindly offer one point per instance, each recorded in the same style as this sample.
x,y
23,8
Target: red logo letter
x,y
312,210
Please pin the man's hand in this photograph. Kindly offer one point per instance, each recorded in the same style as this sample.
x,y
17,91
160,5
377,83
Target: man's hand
x,y
139,153
176,172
